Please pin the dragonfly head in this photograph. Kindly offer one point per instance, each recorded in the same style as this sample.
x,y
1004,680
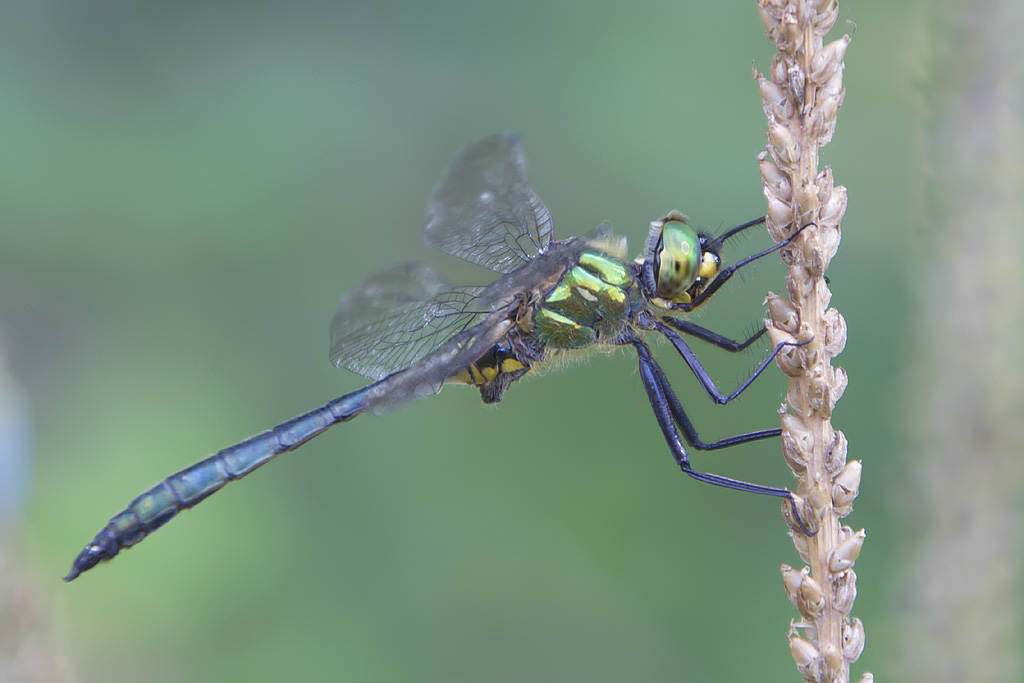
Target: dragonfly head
x,y
679,261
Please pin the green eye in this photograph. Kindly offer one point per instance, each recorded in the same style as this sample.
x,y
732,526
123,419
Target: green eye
x,y
678,261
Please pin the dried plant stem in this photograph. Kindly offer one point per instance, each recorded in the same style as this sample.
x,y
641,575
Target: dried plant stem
x,y
801,100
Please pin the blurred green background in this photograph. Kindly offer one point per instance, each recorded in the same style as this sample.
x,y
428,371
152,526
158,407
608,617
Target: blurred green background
x,y
188,188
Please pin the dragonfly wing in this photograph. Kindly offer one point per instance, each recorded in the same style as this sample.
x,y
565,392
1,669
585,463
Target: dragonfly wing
x,y
397,317
483,211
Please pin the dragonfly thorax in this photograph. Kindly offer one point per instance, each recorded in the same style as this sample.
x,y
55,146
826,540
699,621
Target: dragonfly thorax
x,y
592,302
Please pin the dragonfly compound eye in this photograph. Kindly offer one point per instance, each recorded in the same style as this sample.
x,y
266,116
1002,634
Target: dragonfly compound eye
x,y
678,261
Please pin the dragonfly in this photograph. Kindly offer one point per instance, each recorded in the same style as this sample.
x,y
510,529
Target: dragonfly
x,y
412,332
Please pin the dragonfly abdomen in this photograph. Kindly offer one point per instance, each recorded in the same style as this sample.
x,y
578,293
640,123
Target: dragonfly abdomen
x,y
187,488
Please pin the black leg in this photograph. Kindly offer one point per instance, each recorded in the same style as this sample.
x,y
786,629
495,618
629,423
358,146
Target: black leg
x,y
683,421
663,412
733,231
731,345
702,375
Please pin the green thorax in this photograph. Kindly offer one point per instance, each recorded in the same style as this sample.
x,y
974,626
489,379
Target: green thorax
x,y
593,300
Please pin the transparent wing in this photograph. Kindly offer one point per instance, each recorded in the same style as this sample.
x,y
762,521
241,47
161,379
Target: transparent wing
x,y
394,319
484,212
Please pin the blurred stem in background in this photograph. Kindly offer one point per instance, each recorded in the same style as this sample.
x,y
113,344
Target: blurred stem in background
x,y
30,650
964,588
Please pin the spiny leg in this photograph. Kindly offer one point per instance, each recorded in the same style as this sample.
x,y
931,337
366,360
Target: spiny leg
x,y
663,412
683,421
702,375
718,241
711,337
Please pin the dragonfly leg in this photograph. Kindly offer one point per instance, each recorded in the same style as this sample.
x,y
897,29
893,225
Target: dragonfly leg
x,y
739,228
702,375
662,402
679,417
711,337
